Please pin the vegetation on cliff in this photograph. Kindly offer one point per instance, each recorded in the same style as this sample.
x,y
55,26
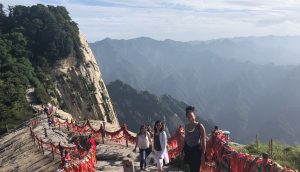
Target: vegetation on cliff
x,y
285,155
32,40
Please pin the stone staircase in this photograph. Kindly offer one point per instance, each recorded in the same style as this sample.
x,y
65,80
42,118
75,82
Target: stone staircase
x,y
19,153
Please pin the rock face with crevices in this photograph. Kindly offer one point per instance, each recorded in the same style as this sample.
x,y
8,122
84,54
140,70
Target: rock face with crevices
x,y
80,88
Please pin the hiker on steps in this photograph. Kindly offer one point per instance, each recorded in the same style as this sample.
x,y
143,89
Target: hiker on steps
x,y
160,145
144,142
194,142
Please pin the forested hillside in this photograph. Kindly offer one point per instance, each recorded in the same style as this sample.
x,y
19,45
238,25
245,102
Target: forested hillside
x,y
32,40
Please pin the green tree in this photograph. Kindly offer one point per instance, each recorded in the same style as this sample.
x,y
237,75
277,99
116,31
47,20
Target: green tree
x,y
32,40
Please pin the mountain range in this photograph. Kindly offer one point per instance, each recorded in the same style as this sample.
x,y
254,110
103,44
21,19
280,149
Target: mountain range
x,y
249,85
137,108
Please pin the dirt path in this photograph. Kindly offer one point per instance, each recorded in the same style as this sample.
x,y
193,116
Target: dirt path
x,y
110,156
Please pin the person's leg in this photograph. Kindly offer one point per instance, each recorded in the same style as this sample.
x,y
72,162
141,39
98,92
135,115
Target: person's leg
x,y
141,159
198,164
196,160
189,158
160,165
191,167
145,161
144,158
148,152
158,161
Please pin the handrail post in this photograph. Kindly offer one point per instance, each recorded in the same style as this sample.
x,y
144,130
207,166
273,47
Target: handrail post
x,y
38,141
102,133
42,148
125,130
52,151
45,131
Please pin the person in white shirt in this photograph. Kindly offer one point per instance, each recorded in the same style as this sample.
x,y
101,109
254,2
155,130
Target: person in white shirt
x,y
160,145
144,142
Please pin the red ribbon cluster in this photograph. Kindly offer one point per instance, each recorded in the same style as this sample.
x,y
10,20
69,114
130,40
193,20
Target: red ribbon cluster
x,y
117,136
87,163
175,143
225,157
219,154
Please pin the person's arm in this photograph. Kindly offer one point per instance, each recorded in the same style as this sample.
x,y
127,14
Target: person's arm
x,y
136,142
203,141
163,143
149,137
151,134
184,138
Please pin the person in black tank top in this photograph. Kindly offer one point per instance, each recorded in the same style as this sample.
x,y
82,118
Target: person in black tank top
x,y
195,142
157,145
160,145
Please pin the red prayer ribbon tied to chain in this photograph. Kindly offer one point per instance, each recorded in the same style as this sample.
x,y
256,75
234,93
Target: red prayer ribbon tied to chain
x,y
55,148
175,143
219,154
223,156
86,164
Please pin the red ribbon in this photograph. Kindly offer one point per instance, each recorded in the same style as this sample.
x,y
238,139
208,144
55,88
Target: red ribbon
x,y
217,152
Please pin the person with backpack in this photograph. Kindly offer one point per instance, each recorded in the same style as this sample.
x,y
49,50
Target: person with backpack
x,y
160,145
144,142
194,142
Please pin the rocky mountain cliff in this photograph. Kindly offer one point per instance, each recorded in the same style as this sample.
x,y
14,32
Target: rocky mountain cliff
x,y
81,89
44,58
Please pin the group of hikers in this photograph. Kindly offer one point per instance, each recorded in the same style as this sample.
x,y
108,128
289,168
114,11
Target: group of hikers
x,y
50,116
156,143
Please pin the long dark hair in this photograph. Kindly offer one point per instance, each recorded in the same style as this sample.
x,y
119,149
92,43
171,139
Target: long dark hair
x,y
162,126
140,132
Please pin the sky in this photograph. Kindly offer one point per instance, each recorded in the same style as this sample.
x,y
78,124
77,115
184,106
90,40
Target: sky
x,y
181,20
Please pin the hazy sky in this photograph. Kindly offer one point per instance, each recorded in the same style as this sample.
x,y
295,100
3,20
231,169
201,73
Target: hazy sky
x,y
182,20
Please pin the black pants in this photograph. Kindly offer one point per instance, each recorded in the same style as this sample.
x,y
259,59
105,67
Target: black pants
x,y
193,157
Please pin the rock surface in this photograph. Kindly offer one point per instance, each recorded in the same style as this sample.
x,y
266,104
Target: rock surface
x,y
80,89
19,153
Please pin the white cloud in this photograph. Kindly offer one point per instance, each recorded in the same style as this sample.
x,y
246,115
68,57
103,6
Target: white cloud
x,y
181,19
